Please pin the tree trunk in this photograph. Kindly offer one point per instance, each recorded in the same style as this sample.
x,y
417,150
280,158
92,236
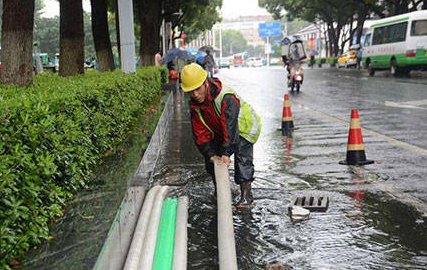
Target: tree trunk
x,y
17,42
71,44
101,35
118,33
360,22
150,18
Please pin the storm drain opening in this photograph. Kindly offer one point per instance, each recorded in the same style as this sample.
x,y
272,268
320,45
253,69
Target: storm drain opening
x,y
312,202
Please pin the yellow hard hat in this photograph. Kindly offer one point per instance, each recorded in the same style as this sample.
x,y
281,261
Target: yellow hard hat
x,y
192,77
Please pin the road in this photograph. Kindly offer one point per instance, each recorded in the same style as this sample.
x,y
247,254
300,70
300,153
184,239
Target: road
x,y
377,216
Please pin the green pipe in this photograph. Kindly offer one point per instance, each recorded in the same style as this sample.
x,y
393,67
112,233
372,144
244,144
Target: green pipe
x,y
163,255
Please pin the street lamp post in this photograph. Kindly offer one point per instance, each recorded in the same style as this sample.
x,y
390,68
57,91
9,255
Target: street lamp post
x,y
220,41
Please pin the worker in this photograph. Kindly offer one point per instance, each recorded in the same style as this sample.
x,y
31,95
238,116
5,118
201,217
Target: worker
x,y
223,125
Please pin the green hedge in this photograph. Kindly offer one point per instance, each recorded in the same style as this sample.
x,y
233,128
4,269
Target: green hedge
x,y
52,134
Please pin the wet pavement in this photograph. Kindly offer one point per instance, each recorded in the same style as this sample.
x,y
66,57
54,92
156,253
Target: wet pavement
x,y
376,218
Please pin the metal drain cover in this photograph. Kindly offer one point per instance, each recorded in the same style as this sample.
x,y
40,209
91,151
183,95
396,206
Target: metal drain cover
x,y
314,203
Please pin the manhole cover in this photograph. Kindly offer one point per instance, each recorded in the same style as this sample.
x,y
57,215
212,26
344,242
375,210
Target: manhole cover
x,y
312,202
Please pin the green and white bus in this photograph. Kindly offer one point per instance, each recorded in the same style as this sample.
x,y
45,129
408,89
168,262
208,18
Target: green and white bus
x,y
398,43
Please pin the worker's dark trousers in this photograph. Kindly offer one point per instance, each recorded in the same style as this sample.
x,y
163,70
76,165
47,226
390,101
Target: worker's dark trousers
x,y
243,162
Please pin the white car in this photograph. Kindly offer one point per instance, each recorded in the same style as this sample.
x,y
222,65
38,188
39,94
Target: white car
x,y
254,62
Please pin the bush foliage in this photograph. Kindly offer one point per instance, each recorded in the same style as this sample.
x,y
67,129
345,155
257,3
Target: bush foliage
x,y
52,134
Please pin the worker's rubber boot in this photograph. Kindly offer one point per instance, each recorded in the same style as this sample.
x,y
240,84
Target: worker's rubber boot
x,y
246,199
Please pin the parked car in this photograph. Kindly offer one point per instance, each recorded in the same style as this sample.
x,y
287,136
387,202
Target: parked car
x,y
223,63
347,59
254,62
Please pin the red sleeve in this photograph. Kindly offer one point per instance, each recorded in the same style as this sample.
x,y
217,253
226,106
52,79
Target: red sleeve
x,y
202,136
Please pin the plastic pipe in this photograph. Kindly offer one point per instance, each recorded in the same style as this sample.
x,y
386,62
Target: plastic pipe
x,y
146,260
226,242
135,249
180,248
163,255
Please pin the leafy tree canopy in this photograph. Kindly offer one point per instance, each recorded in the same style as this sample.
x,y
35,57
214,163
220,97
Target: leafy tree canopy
x,y
232,42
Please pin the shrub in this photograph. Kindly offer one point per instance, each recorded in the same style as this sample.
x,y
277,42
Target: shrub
x,y
52,134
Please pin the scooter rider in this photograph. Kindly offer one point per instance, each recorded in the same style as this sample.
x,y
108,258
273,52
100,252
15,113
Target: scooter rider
x,y
223,125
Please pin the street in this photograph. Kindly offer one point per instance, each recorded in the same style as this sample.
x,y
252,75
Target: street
x,y
377,213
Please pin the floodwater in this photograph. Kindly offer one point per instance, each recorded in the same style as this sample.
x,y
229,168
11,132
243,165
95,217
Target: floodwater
x,y
365,227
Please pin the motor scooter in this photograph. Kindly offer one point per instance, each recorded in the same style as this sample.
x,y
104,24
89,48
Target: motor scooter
x,y
296,76
293,51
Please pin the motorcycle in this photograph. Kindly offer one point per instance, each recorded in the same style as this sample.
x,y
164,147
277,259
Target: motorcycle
x,y
293,51
295,76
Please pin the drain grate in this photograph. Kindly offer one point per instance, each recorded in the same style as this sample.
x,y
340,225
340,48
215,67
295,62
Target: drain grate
x,y
312,202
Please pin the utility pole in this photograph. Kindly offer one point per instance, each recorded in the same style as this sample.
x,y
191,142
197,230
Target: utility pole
x,y
268,49
220,40
163,30
127,38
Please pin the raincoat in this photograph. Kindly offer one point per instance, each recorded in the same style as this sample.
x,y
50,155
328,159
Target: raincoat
x,y
224,125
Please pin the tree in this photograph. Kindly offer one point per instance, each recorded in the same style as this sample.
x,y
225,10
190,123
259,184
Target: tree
x,y
71,43
17,42
336,14
150,19
232,42
46,34
101,35
191,16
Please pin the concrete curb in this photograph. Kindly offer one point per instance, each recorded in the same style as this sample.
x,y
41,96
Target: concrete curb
x,y
116,246
144,172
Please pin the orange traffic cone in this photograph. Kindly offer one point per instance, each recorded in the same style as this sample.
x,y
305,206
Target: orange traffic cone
x,y
287,119
355,146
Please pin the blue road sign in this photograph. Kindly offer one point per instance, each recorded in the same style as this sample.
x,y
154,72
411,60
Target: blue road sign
x,y
269,29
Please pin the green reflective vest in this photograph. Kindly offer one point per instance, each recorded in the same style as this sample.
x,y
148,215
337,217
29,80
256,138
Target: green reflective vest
x,y
249,121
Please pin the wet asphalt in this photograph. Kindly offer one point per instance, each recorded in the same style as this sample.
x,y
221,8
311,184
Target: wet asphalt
x,y
377,213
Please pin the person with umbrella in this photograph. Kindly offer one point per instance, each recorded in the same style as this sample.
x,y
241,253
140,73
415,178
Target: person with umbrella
x,y
209,63
223,124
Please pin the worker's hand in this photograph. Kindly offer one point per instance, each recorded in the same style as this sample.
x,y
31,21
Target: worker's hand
x,y
225,160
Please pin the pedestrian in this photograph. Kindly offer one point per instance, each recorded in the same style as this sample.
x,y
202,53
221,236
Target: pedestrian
x,y
173,74
312,60
223,125
209,63
158,59
359,57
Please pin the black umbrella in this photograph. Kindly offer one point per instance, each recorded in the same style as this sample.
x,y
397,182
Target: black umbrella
x,y
206,48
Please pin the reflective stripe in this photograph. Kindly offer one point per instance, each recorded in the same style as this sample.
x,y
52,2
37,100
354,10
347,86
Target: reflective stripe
x,y
356,147
249,122
255,126
204,123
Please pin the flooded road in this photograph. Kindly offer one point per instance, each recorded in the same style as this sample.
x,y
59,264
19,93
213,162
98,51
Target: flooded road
x,y
377,213
375,218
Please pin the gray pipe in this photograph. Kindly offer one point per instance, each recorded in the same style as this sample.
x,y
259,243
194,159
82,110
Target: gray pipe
x,y
180,246
149,245
135,249
226,242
